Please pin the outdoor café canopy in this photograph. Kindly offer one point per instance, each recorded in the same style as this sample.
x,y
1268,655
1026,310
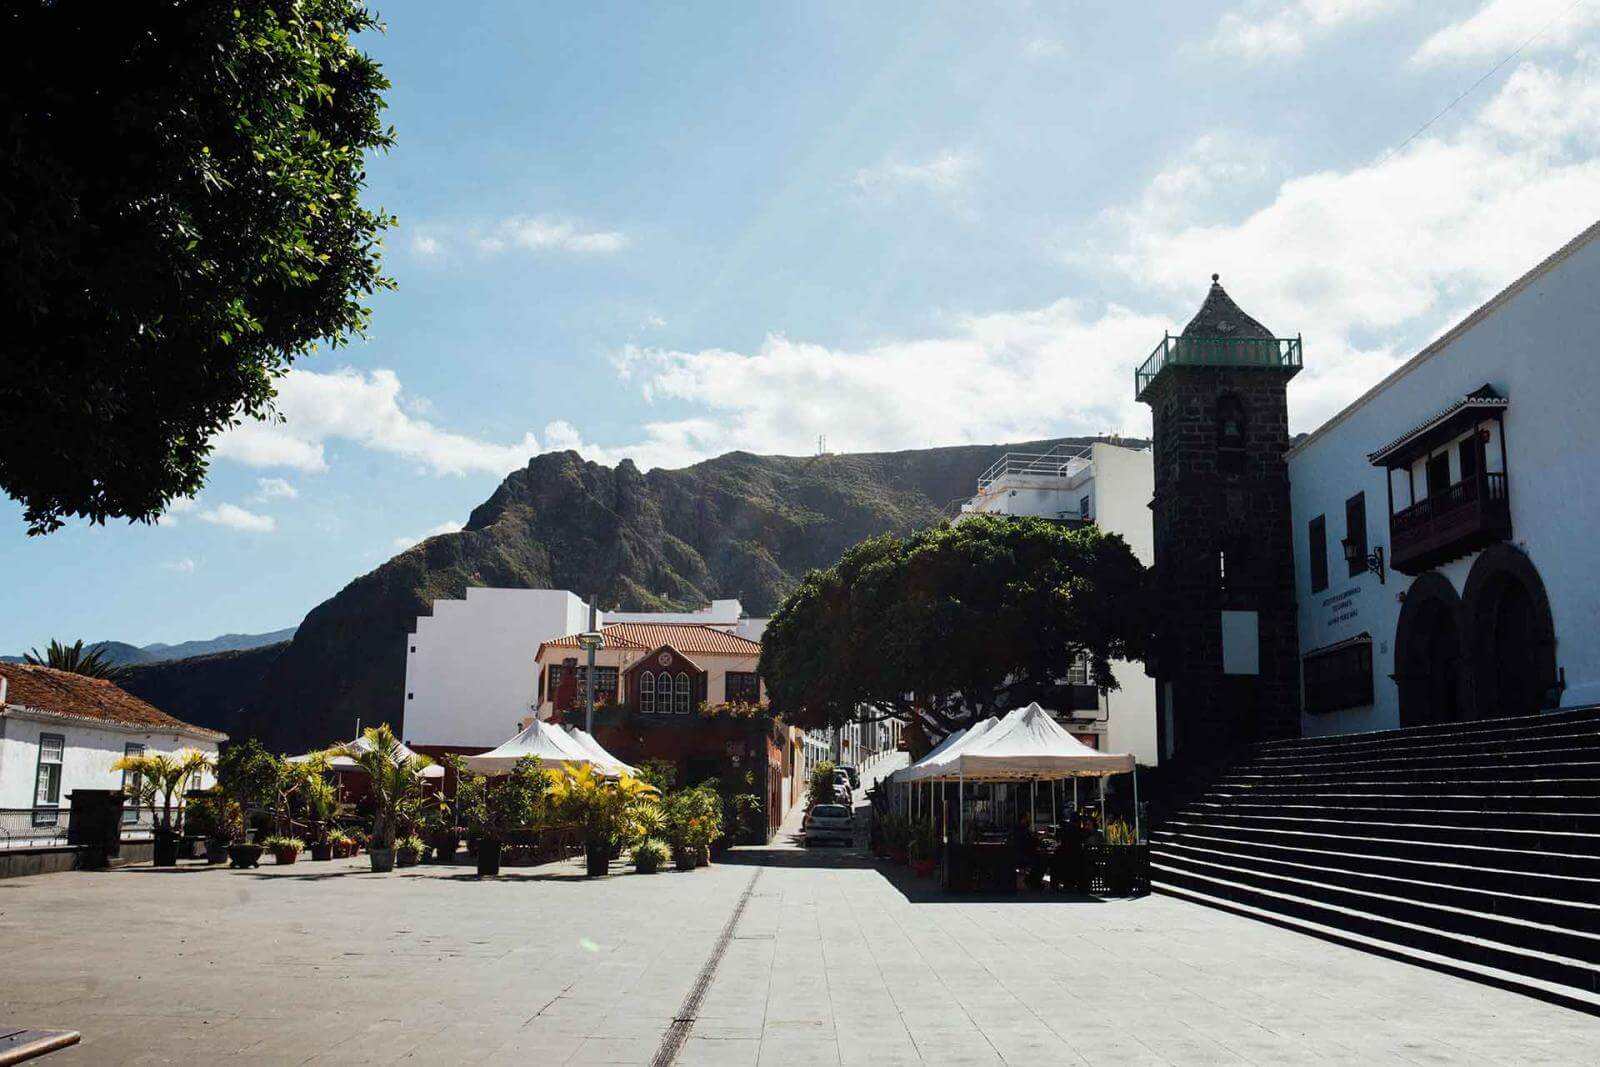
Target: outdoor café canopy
x,y
1028,744
337,761
554,747
586,741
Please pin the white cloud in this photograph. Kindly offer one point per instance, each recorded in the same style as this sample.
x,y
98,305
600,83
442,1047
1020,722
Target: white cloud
x,y
181,506
1044,48
366,409
1368,263
1499,27
403,543
534,233
944,173
275,489
1284,29
179,566
236,518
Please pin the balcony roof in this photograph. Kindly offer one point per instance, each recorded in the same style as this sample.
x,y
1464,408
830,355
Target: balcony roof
x,y
1449,423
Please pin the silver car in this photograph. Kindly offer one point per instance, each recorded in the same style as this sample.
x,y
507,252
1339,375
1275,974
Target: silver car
x,y
830,822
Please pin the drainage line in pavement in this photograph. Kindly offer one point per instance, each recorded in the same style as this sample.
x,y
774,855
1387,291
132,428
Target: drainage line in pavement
x,y
672,1041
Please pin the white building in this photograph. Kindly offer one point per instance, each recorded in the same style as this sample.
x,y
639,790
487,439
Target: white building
x,y
1110,485
62,731
1444,523
471,667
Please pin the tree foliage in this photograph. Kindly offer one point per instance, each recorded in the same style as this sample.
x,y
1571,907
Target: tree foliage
x,y
960,621
178,222
74,660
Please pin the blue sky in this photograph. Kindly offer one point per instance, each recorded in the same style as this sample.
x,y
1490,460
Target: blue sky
x,y
665,232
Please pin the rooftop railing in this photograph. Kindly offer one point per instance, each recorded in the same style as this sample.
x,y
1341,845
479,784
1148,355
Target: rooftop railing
x,y
1272,353
1057,463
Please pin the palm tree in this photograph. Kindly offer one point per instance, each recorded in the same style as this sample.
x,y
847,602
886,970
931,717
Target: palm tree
x,y
396,777
154,780
74,660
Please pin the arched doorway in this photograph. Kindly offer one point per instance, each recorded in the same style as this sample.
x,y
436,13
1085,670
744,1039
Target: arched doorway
x,y
1427,658
1510,635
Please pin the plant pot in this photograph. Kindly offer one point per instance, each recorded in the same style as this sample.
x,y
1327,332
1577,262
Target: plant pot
x,y
285,854
444,847
382,860
489,858
166,849
900,856
647,864
598,860
242,856
922,868
405,859
216,849
686,859
322,850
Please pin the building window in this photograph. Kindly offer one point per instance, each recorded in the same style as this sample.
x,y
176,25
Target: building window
x,y
605,684
742,687
1355,529
411,696
683,694
1318,553
552,682
647,693
47,780
1338,677
1083,509
1437,473
130,784
1230,435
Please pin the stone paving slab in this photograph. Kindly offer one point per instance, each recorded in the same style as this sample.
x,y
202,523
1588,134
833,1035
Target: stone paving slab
x,y
834,960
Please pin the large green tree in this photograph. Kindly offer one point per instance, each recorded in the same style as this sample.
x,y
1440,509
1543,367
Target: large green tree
x,y
179,220
958,621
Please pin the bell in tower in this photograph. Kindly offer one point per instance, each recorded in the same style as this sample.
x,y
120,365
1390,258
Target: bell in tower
x,y
1226,661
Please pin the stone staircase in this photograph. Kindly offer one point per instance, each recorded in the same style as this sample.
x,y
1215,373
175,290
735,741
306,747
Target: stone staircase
x,y
1468,847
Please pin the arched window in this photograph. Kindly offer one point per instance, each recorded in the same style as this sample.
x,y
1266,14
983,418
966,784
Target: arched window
x,y
683,693
1230,435
647,693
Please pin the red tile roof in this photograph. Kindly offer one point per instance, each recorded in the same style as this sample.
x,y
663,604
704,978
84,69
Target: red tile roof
x,y
690,638
81,697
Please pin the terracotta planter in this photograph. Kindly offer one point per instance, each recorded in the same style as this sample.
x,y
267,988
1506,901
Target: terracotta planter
x,y
242,856
922,868
285,854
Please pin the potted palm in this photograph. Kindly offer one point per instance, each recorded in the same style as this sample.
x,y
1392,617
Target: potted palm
x,y
396,782
601,807
491,809
206,816
322,804
246,774
153,782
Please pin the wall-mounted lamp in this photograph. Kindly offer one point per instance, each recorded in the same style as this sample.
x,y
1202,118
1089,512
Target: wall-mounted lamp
x,y
1352,554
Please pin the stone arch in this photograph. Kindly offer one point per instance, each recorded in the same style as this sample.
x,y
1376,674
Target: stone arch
x,y
1428,653
1510,636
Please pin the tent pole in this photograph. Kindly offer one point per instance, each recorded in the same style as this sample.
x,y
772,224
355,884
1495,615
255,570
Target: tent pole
x,y
1033,802
961,808
1055,805
1136,804
1102,804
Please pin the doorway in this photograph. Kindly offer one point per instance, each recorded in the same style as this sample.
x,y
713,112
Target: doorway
x,y
1428,653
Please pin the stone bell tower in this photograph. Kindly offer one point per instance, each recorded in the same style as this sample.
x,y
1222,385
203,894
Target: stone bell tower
x,y
1226,661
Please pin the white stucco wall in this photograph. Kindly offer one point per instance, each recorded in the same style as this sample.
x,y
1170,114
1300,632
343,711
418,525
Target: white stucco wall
x,y
89,751
470,670
1540,348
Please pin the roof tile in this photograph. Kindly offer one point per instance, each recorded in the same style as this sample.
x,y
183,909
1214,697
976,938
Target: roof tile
x,y
690,638
64,693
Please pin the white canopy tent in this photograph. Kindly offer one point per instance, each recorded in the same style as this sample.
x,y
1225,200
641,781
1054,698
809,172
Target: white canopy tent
x,y
554,747
346,763
586,741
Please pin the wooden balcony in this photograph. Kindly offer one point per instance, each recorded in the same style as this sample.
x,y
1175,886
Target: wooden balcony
x,y
1451,523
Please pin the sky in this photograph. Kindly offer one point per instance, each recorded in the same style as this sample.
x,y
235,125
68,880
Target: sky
x,y
664,232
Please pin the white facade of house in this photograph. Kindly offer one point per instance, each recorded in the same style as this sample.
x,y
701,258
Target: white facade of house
x,y
471,669
1109,484
85,749
1537,345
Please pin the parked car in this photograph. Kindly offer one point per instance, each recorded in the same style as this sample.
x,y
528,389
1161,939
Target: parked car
x,y
830,822
853,772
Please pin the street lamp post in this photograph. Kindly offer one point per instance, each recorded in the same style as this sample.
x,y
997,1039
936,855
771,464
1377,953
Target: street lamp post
x,y
590,640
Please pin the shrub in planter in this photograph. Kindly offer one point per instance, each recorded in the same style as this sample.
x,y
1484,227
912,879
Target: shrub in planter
x,y
649,855
241,855
408,851
284,849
